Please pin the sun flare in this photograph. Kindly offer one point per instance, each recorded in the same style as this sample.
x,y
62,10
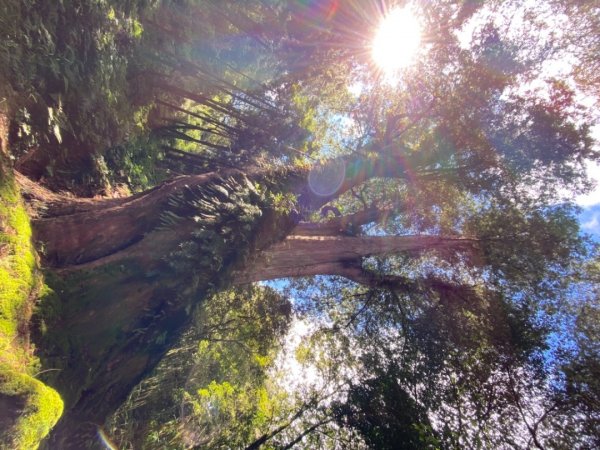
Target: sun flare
x,y
397,40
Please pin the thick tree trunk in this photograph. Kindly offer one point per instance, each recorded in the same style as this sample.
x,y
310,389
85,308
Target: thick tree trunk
x,y
101,228
131,270
76,231
154,257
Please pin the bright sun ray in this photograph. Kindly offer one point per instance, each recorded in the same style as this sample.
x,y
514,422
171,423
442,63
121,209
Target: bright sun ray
x,y
397,40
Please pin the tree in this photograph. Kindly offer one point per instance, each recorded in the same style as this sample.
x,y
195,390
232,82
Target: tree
x,y
386,416
445,193
210,390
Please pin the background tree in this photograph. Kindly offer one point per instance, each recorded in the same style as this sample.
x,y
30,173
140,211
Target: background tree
x,y
210,390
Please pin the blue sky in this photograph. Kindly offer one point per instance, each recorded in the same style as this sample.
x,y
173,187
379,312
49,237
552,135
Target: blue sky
x,y
590,220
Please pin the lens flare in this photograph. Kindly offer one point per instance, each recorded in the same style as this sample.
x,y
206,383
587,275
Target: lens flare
x,y
325,179
105,440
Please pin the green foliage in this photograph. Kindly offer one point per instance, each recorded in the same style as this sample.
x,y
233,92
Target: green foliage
x,y
528,246
386,415
211,389
228,211
66,66
577,393
227,396
444,348
133,163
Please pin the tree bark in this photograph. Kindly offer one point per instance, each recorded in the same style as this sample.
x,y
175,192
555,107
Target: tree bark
x,y
299,256
89,230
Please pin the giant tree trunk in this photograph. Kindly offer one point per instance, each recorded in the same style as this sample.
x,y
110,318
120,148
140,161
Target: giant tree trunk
x,y
128,272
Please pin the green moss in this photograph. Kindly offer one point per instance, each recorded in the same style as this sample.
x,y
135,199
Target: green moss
x,y
42,409
18,279
33,408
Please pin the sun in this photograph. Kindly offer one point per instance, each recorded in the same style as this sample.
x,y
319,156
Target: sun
x,y
397,40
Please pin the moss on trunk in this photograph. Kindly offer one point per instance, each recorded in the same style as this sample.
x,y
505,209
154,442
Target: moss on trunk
x,y
29,408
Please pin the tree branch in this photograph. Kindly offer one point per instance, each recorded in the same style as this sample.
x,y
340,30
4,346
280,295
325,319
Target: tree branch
x,y
265,437
357,170
340,225
299,256
306,432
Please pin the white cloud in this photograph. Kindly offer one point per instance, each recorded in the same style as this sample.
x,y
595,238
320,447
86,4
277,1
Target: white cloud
x,y
592,198
593,224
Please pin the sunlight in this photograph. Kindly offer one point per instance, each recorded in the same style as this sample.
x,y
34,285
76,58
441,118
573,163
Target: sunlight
x,y
397,40
290,373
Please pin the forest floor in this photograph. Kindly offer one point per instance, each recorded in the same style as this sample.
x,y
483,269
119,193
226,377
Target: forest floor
x,y
28,408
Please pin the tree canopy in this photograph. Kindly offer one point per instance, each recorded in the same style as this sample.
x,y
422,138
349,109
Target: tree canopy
x,y
427,284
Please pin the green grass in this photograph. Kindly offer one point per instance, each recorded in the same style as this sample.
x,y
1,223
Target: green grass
x,y
36,406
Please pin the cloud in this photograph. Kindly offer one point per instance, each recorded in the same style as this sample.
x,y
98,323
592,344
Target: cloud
x,y
593,224
593,197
